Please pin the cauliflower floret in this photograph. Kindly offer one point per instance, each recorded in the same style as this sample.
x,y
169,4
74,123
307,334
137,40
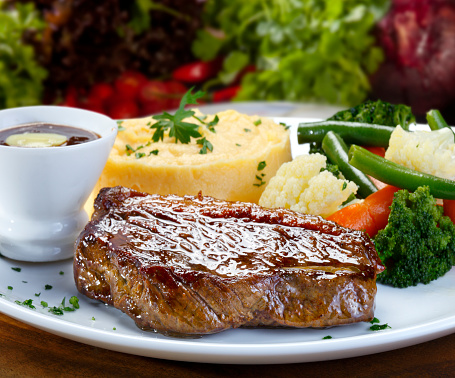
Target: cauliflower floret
x,y
301,186
431,152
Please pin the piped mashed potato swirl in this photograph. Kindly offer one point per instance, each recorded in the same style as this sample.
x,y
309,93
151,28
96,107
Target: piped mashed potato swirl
x,y
247,152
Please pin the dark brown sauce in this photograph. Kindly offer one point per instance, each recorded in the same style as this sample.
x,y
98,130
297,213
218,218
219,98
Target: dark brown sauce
x,y
74,135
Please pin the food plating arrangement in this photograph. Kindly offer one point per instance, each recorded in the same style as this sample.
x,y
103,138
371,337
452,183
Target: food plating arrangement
x,y
206,223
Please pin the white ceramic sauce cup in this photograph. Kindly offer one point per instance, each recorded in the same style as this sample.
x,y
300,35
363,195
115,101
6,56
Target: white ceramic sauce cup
x,y
43,190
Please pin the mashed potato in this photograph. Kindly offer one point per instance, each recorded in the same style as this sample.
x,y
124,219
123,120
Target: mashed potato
x,y
247,152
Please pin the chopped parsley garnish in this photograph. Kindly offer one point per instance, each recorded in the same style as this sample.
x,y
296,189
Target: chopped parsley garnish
x,y
262,165
10,288
210,125
119,126
56,310
260,177
24,281
379,327
114,329
345,185
247,130
129,149
44,304
26,303
2,295
37,294
374,321
139,155
93,318
286,127
74,301
180,130
61,272
327,337
206,145
47,287
238,145
257,122
16,269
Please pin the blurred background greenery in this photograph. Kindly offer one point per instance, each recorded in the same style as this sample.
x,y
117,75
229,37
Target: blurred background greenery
x,y
132,58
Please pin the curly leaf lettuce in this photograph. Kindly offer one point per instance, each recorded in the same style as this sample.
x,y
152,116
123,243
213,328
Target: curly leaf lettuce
x,y
319,50
21,77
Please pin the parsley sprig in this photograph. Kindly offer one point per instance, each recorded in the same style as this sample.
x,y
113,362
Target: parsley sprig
x,y
182,131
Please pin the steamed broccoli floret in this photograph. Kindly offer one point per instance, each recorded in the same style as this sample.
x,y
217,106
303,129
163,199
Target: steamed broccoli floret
x,y
418,243
377,112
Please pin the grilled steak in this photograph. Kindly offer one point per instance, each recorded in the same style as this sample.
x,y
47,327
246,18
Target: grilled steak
x,y
196,265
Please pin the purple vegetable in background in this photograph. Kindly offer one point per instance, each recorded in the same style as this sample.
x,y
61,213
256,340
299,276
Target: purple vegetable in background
x,y
418,38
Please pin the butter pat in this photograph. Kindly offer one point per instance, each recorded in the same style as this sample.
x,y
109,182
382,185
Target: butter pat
x,y
247,152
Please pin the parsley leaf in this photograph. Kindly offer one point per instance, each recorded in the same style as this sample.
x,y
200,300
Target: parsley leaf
x,y
206,145
26,303
262,165
260,177
74,301
16,269
213,123
180,130
374,321
120,127
379,327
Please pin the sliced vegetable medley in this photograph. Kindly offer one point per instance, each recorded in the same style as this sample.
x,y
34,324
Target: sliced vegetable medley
x,y
399,174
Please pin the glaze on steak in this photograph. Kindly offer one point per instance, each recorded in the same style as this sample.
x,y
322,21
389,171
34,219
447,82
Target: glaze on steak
x,y
188,266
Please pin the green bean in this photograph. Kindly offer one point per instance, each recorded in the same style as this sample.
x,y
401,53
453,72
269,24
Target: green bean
x,y
351,132
337,152
435,120
394,174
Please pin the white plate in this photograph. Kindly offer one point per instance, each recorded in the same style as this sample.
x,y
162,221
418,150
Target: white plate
x,y
415,315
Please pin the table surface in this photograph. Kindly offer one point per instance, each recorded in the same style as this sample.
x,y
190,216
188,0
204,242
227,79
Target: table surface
x,y
26,351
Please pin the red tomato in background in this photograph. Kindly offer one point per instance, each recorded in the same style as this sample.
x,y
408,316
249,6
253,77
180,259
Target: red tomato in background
x,y
225,94
71,98
197,72
122,109
129,84
102,92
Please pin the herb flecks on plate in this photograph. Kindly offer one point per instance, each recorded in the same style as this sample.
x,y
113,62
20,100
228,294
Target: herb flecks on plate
x,y
59,310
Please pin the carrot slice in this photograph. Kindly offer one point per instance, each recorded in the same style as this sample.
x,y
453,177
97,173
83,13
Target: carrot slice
x,y
355,216
371,215
378,205
449,209
380,151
